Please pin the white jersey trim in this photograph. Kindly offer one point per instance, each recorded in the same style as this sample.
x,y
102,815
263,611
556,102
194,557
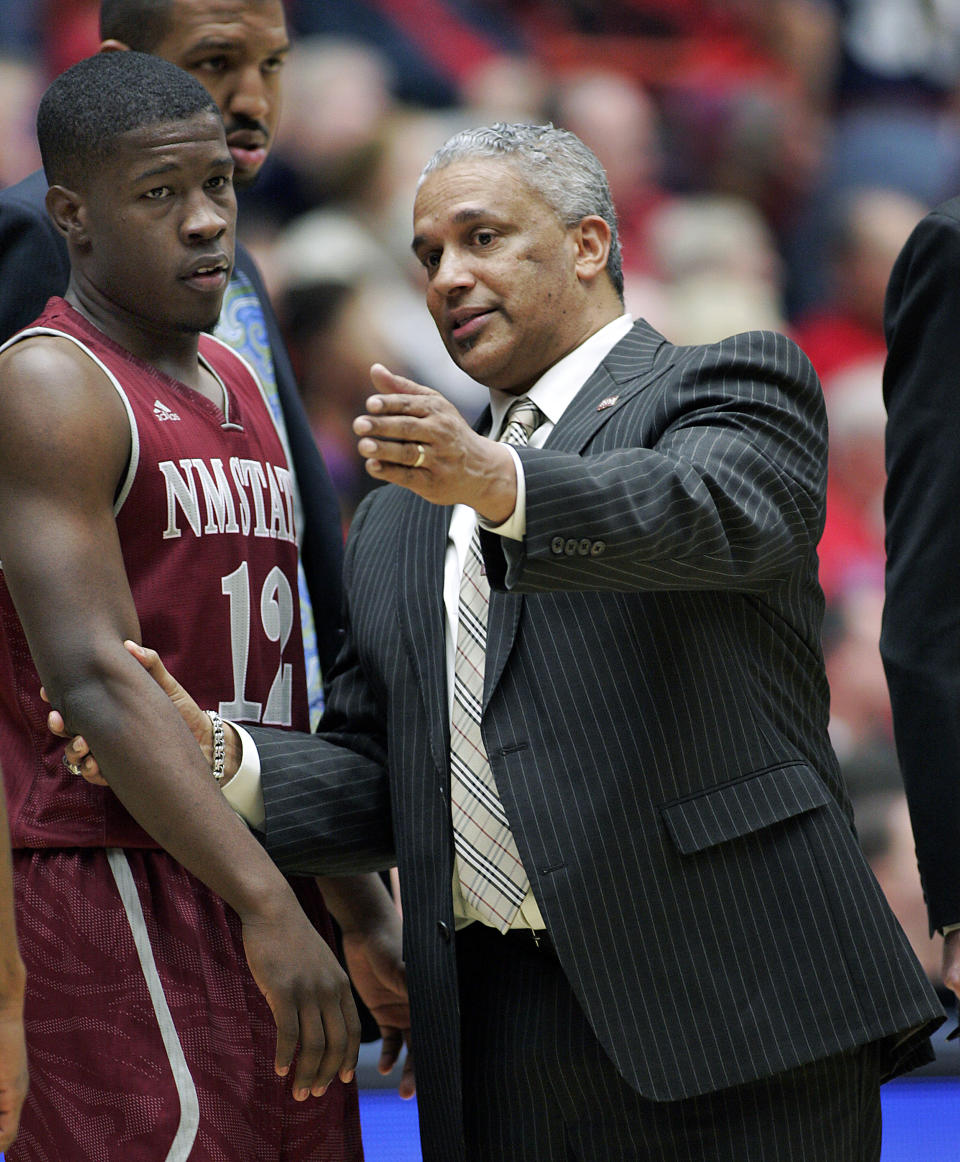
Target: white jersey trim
x,y
131,418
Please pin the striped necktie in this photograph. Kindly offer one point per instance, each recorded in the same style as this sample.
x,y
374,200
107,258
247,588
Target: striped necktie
x,y
492,878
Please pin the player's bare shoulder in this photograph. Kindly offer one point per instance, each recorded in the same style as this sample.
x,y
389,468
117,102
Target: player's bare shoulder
x,y
58,405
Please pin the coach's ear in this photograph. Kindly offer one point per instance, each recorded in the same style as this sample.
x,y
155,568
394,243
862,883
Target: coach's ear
x,y
65,207
113,46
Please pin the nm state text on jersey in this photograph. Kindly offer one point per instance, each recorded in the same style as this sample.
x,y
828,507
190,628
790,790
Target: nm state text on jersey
x,y
247,496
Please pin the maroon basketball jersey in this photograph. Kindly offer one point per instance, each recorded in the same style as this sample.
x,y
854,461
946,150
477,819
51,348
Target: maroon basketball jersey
x,y
205,516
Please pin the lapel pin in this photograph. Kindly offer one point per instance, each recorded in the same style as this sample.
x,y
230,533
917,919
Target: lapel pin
x,y
607,403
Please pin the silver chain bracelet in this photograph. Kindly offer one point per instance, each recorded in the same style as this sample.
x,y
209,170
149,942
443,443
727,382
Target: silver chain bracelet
x,y
219,749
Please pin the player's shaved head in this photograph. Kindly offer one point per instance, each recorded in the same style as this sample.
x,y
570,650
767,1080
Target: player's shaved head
x,y
104,96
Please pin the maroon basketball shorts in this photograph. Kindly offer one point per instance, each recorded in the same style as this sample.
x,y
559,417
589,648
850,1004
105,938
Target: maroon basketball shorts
x,y
148,1039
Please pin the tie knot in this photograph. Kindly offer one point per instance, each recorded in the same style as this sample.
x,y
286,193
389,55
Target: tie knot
x,y
522,418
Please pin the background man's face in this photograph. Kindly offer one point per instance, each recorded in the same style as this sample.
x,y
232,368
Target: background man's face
x,y
236,49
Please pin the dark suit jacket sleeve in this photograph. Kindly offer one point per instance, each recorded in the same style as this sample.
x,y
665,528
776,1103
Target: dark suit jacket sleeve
x,y
920,641
327,795
33,256
722,486
321,549
327,803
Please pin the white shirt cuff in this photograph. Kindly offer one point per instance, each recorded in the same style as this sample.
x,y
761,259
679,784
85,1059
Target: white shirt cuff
x,y
244,792
515,526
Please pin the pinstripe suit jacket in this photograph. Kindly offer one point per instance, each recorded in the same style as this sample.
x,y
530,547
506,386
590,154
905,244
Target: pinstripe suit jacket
x,y
655,714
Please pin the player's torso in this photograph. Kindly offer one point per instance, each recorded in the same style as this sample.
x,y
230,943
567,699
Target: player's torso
x,y
207,526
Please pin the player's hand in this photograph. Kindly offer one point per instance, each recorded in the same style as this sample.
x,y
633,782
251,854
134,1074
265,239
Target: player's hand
x,y
77,753
13,1070
413,436
310,998
376,968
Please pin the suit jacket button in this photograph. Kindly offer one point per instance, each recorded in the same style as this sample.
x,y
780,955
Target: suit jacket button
x,y
444,929
597,548
570,547
556,546
584,547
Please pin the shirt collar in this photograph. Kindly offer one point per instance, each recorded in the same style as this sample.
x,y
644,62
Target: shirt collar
x,y
556,388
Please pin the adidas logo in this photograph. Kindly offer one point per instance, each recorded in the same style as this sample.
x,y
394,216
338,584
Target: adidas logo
x,y
163,413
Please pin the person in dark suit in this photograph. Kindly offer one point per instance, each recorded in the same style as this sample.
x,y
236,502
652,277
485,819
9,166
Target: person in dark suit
x,y
237,51
638,923
920,637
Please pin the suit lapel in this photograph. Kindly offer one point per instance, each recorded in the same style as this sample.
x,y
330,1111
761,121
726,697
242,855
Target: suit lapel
x,y
638,360
422,546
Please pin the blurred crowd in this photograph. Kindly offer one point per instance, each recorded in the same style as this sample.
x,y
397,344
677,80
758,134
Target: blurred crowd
x,y
768,159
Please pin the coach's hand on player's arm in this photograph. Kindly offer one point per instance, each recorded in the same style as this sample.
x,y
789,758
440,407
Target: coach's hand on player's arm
x,y
78,754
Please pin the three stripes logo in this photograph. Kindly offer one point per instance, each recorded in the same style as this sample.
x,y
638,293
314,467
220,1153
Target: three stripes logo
x,y
163,413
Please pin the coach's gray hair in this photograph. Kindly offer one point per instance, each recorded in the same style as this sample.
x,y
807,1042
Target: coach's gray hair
x,y
553,162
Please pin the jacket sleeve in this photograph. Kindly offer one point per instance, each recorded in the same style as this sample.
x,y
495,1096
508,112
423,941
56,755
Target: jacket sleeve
x,y
920,640
33,257
714,477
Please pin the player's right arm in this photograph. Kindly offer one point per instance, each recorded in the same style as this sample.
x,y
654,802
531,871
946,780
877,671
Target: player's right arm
x,y
64,446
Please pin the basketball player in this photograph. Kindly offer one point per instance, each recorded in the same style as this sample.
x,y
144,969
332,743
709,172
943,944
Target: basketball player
x,y
144,489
